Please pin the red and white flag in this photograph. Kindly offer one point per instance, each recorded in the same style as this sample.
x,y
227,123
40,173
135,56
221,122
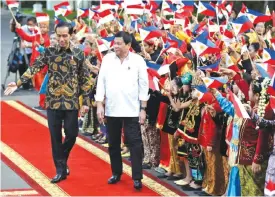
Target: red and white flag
x,y
167,23
12,3
153,78
107,5
135,9
105,16
42,17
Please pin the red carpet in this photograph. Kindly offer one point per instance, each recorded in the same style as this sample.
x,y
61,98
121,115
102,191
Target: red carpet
x,y
89,174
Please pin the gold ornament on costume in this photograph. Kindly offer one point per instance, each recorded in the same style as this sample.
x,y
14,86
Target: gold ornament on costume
x,y
55,66
189,122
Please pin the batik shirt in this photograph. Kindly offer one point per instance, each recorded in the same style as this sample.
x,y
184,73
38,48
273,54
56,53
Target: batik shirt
x,y
68,77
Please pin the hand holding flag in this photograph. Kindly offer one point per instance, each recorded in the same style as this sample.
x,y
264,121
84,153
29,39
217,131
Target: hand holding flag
x,y
12,4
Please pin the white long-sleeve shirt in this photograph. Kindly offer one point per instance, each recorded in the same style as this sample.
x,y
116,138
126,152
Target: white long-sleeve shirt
x,y
123,85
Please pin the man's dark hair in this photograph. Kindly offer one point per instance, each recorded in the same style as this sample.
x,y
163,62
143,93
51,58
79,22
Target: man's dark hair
x,y
32,18
125,36
64,24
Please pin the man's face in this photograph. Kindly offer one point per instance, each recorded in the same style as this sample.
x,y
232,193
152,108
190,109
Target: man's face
x,y
120,47
63,36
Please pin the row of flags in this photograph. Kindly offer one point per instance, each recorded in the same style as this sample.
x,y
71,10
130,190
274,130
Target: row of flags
x,y
201,45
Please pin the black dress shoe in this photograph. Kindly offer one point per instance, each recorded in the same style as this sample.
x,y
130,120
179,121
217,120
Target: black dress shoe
x,y
67,171
58,178
137,184
114,179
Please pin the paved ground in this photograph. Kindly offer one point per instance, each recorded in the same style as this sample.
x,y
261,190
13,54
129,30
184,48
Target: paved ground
x,y
9,179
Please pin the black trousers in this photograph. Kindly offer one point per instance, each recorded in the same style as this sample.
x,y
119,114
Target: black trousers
x,y
61,150
133,135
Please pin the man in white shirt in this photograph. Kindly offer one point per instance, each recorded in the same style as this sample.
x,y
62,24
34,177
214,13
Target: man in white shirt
x,y
123,86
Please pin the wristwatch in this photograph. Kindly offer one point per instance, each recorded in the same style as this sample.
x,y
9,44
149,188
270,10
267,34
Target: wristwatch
x,y
142,108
